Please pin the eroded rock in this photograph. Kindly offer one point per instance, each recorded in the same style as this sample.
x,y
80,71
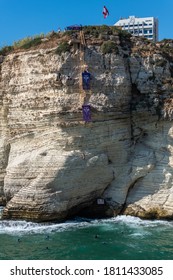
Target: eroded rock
x,y
54,165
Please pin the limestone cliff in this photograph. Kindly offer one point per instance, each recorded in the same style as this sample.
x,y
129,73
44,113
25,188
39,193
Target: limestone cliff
x,y
54,165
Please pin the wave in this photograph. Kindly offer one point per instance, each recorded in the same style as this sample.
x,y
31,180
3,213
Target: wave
x,y
130,220
24,227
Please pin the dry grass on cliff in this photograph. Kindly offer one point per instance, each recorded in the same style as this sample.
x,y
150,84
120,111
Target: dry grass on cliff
x,y
93,34
39,41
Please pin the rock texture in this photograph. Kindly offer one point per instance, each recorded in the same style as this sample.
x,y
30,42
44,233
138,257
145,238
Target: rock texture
x,y
53,164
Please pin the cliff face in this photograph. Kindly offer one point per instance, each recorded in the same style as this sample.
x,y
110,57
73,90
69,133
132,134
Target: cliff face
x,y
53,164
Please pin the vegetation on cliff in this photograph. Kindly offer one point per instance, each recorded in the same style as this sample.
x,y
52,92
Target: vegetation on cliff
x,y
63,37
104,33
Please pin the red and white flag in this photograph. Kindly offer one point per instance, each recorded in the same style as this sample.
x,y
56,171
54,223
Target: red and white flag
x,y
105,12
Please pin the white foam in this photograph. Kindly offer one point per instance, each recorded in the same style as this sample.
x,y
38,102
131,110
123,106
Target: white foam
x,y
23,227
130,220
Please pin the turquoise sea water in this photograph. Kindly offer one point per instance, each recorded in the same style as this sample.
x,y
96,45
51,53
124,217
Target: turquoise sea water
x,y
118,238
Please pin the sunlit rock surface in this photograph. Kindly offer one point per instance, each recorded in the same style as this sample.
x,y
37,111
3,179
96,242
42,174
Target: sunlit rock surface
x,y
54,165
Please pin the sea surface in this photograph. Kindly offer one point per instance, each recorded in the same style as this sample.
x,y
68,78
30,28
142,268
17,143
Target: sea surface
x,y
120,238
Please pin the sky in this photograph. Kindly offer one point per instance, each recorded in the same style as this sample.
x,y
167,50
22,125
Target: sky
x,y
23,18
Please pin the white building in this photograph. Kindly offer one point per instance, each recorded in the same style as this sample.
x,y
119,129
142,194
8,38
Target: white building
x,y
146,27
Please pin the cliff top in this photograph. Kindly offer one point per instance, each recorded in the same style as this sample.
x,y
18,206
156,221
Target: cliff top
x,y
109,39
52,39
94,35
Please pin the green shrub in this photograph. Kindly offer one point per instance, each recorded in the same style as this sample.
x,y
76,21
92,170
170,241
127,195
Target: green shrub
x,y
32,43
106,29
28,42
109,47
91,30
6,50
62,48
123,34
101,29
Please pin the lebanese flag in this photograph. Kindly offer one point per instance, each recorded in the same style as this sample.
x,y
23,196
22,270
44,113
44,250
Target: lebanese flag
x,y
105,12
